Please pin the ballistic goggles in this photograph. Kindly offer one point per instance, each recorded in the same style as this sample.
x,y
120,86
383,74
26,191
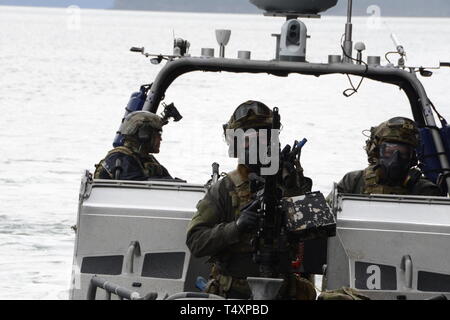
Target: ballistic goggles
x,y
388,149
246,109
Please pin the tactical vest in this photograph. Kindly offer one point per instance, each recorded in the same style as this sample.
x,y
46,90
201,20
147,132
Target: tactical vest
x,y
240,256
148,164
372,185
240,197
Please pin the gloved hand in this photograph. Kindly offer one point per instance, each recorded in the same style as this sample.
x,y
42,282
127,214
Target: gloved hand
x,y
248,219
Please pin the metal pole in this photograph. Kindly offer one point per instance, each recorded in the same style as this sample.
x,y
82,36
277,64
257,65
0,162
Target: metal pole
x,y
437,139
349,11
133,250
348,44
91,291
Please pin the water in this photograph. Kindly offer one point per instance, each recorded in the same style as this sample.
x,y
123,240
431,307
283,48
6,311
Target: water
x,y
65,77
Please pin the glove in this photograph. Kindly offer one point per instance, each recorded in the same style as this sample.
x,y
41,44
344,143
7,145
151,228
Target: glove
x,y
248,219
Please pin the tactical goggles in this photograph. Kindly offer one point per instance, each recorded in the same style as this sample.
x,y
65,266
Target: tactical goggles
x,y
388,149
147,133
244,111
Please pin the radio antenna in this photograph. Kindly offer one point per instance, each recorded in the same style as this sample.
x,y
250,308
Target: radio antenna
x,y
348,43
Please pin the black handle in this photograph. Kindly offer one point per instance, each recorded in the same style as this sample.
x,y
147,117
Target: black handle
x,y
136,49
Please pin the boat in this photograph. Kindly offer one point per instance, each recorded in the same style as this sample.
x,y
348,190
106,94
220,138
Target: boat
x,y
130,235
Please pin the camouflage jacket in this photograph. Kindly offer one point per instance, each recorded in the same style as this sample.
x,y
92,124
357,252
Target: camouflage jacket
x,y
365,182
213,232
130,166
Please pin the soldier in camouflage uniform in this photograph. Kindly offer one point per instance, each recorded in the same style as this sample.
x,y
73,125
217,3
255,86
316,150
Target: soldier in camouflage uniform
x,y
133,161
225,221
392,160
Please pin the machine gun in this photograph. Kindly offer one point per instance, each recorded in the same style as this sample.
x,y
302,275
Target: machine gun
x,y
270,243
290,159
283,221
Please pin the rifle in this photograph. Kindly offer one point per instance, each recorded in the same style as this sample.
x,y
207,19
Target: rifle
x,y
290,159
270,243
286,221
294,154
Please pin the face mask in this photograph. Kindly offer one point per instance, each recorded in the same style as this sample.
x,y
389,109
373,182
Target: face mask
x,y
395,162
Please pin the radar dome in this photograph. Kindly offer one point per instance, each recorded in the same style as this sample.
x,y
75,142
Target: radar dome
x,y
297,6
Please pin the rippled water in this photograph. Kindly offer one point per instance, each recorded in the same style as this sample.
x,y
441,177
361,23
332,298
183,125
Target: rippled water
x,y
65,79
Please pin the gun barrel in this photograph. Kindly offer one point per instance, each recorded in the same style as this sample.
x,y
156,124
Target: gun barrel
x,y
302,143
215,172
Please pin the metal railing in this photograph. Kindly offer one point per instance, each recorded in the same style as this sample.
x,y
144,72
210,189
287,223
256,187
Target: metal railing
x,y
110,288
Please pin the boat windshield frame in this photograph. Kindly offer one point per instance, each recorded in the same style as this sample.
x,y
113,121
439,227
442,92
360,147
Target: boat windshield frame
x,y
407,81
421,106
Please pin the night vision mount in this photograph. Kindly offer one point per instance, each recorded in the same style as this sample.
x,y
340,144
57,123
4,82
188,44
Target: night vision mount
x,y
170,111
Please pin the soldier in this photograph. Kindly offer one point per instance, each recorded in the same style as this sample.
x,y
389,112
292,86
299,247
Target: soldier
x,y
133,161
226,218
392,160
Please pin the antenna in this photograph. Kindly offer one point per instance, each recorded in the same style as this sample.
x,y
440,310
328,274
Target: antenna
x,y
400,50
348,44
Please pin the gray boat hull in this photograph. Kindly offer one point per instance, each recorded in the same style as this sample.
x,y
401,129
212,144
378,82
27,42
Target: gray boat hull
x,y
132,234
391,247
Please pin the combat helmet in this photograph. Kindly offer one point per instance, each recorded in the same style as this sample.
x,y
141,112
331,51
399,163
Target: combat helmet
x,y
139,130
138,120
398,129
250,114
